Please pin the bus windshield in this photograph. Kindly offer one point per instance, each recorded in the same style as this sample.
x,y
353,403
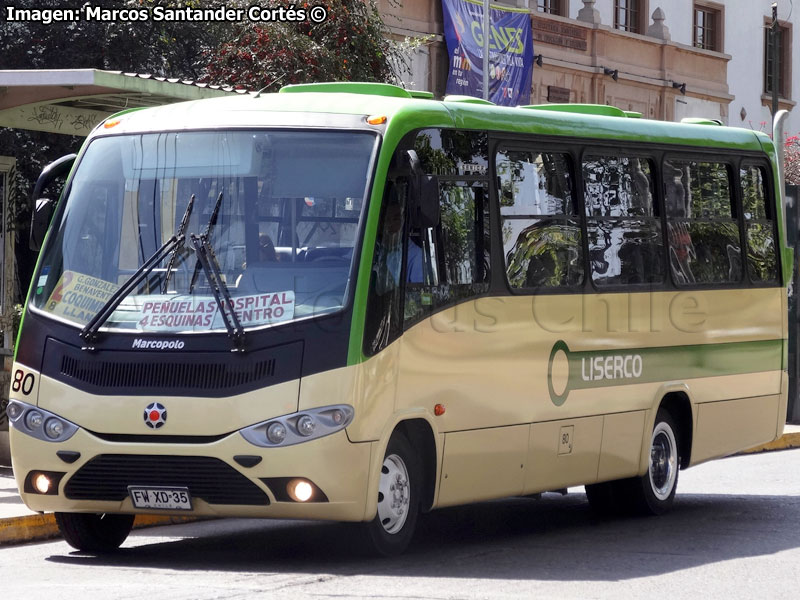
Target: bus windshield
x,y
280,210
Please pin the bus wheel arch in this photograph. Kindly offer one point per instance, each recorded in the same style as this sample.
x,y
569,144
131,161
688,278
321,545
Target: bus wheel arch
x,y
420,434
678,405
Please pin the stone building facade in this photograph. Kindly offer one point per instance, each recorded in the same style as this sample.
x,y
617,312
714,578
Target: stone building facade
x,y
667,59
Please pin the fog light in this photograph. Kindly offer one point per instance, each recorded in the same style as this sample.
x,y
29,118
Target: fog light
x,y
53,428
33,420
14,410
305,426
276,433
42,483
300,490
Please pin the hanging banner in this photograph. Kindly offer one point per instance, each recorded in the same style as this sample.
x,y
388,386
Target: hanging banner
x,y
510,51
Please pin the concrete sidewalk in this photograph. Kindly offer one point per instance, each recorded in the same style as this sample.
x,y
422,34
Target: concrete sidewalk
x,y
19,525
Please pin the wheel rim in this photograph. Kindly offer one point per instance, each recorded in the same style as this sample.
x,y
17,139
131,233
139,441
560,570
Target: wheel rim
x,y
394,494
663,461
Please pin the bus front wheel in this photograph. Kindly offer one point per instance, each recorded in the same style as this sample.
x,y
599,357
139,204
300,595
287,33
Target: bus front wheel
x,y
390,532
94,533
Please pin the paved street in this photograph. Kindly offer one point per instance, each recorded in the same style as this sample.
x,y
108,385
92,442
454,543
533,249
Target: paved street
x,y
734,533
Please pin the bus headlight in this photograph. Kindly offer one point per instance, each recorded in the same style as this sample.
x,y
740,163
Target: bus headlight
x,y
305,426
299,427
33,420
53,428
39,423
276,432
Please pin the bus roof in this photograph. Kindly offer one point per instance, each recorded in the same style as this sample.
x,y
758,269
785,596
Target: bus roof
x,y
347,105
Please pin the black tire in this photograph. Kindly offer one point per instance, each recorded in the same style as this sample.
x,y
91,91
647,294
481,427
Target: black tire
x,y
94,533
390,532
604,498
654,492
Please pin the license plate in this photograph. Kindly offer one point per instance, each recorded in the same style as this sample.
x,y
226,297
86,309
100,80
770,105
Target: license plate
x,y
163,498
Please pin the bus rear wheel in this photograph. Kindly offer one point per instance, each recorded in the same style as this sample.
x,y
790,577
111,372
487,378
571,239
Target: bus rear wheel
x,y
654,492
390,532
92,532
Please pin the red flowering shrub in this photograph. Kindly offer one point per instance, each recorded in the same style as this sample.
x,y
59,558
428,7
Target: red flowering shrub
x,y
348,46
791,163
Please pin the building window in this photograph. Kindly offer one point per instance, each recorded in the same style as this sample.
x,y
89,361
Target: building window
x,y
784,43
708,24
553,7
628,15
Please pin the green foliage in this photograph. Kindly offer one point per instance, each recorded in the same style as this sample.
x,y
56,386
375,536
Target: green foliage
x,y
350,45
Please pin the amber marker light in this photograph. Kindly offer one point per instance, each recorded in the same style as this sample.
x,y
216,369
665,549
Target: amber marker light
x,y
438,410
112,123
377,120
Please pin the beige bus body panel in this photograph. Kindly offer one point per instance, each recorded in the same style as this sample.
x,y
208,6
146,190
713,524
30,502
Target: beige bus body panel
x,y
487,362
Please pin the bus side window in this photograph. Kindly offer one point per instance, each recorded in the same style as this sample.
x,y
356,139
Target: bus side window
x,y
762,264
450,262
383,323
702,228
540,227
623,227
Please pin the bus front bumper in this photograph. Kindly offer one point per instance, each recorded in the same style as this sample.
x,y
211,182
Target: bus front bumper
x,y
229,477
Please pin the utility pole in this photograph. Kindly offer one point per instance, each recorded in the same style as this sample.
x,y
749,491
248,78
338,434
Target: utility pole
x,y
775,58
486,31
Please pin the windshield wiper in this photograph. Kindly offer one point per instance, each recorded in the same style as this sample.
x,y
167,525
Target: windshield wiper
x,y
182,235
208,261
89,332
212,220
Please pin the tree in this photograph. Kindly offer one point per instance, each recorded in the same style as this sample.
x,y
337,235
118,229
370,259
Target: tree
x,y
349,45
170,49
791,171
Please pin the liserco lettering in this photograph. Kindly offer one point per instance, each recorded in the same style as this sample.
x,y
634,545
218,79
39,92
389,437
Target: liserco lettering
x,y
158,344
611,367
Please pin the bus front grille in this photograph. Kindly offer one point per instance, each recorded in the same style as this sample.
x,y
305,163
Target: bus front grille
x,y
165,374
107,477
174,373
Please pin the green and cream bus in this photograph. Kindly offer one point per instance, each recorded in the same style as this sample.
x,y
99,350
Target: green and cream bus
x,y
354,302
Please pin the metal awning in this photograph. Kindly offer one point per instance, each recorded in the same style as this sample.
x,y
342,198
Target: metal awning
x,y
73,101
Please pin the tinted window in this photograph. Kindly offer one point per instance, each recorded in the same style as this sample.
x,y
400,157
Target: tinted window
x,y
624,232
452,153
703,232
762,263
383,322
450,262
541,232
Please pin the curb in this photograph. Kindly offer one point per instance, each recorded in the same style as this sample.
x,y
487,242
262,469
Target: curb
x,y
785,442
36,528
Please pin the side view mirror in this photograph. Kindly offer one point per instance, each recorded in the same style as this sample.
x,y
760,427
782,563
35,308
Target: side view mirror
x,y
424,193
44,207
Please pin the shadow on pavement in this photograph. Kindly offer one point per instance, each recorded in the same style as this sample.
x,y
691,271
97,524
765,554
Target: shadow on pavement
x,y
555,538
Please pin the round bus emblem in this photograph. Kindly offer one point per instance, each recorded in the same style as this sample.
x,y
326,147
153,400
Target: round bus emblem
x,y
155,415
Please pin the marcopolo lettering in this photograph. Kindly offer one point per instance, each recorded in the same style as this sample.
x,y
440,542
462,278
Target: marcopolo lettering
x,y
158,344
598,368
